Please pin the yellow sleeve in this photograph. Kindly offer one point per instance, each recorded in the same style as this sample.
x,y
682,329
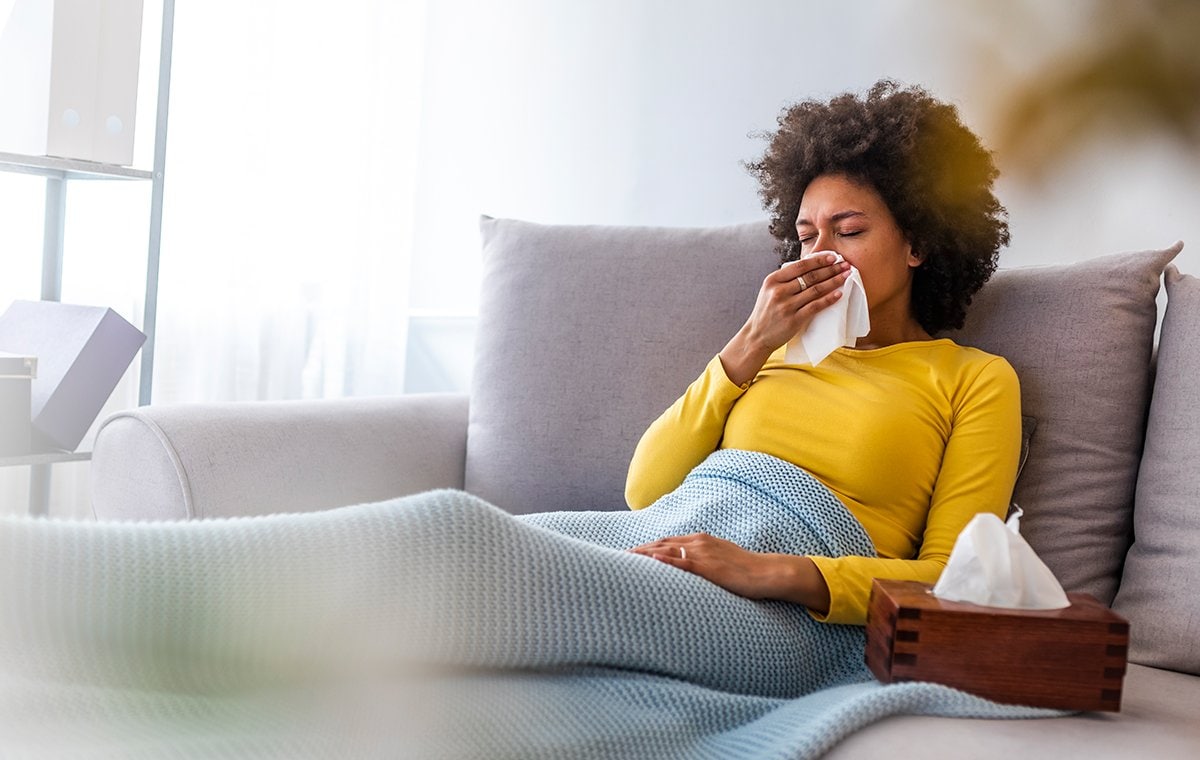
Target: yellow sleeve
x,y
681,437
978,469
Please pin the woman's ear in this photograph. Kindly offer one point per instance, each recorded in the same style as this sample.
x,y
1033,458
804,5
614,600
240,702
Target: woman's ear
x,y
915,259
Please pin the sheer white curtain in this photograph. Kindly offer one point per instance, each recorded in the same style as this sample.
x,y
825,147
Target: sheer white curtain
x,y
289,199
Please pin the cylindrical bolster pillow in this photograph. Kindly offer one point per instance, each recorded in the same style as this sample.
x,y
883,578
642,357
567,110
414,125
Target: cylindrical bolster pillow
x,y
254,458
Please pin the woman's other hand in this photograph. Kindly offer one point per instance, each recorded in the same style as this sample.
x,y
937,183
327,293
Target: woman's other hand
x,y
754,575
787,302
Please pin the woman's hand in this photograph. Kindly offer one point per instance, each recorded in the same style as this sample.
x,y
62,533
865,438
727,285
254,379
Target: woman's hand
x,y
754,575
787,301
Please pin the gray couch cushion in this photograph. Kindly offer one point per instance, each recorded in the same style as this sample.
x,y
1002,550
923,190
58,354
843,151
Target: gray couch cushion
x,y
586,334
1162,572
1080,338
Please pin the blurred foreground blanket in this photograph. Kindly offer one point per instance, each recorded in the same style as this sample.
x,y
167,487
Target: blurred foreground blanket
x,y
436,626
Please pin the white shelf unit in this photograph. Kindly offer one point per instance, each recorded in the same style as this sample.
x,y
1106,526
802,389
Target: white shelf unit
x,y
45,457
68,168
58,172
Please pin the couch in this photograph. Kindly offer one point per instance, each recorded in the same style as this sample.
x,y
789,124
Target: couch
x,y
587,333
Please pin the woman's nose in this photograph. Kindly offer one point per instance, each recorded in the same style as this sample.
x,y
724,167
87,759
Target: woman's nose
x,y
824,242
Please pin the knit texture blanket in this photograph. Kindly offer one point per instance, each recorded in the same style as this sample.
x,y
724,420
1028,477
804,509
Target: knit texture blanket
x,y
437,626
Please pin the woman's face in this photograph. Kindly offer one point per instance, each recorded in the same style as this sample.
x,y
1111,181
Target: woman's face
x,y
848,217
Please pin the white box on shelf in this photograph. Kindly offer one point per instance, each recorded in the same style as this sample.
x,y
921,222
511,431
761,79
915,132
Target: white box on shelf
x,y
16,375
82,352
68,78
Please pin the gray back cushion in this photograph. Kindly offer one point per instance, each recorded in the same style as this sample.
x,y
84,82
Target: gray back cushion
x,y
1080,337
586,334
1162,572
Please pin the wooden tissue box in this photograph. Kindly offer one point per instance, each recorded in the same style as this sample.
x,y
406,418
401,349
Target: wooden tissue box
x,y
1068,659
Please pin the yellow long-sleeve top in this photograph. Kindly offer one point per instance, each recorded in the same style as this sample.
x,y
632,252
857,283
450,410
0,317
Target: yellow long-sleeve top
x,y
914,438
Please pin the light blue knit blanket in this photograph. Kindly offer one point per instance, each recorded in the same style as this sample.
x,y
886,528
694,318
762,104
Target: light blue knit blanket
x,y
437,626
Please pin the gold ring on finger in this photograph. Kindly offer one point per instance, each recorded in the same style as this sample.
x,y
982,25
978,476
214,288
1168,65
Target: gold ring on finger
x,y
803,284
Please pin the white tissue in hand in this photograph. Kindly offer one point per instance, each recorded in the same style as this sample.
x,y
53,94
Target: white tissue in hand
x,y
993,565
841,324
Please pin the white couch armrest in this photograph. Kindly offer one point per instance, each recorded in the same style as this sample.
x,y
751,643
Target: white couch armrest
x,y
254,458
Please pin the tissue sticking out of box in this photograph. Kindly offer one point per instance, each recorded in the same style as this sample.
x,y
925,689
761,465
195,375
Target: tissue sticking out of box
x,y
992,564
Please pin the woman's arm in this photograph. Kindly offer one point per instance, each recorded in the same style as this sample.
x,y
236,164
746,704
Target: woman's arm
x,y
979,467
692,427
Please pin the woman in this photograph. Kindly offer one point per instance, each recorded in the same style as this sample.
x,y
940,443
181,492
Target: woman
x,y
914,434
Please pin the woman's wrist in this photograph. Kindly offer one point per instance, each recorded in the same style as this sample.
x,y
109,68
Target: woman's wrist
x,y
798,580
743,357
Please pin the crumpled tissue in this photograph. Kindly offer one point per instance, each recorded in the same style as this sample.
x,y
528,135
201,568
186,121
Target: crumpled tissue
x,y
992,564
841,324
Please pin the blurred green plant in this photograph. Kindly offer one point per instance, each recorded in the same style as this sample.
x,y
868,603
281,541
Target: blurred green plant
x,y
1133,69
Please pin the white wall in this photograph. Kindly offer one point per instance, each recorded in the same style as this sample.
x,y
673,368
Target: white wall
x,y
639,111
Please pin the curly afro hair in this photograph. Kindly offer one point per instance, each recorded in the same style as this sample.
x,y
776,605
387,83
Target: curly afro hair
x,y
931,171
